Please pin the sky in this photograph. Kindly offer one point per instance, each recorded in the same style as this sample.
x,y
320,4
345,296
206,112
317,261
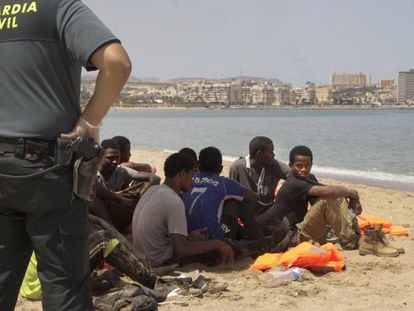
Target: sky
x,y
291,40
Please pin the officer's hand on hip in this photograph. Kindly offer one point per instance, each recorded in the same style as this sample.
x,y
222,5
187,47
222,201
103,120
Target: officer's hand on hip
x,y
84,129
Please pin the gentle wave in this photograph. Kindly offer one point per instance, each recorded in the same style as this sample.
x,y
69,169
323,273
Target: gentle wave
x,y
225,158
357,174
169,150
374,178
375,175
382,176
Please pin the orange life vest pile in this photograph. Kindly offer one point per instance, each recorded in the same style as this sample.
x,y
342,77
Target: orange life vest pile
x,y
326,257
323,258
375,221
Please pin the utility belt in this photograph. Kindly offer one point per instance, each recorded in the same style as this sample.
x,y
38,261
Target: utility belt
x,y
83,154
28,148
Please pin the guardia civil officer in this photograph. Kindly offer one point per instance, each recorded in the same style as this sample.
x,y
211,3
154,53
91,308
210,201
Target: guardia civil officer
x,y
43,46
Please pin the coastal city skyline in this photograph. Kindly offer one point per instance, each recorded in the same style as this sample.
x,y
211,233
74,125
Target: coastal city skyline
x,y
293,41
345,89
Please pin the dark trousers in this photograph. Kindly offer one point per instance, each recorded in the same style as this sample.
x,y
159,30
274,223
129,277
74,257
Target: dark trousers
x,y
41,214
253,229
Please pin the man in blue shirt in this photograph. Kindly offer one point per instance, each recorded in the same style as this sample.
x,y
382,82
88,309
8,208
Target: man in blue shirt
x,y
204,201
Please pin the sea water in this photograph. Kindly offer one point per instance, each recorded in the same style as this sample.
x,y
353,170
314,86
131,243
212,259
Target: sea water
x,y
373,146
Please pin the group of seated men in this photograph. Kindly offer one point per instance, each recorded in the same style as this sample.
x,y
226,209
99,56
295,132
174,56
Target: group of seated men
x,y
198,215
263,206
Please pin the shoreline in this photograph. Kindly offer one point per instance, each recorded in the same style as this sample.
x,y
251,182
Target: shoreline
x,y
373,182
330,176
241,107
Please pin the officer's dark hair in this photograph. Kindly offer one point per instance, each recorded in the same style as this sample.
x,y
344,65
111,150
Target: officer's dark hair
x,y
300,151
210,160
109,143
190,152
122,141
177,162
259,143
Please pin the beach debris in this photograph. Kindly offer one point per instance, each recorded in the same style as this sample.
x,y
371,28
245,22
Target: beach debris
x,y
164,270
275,278
186,287
174,302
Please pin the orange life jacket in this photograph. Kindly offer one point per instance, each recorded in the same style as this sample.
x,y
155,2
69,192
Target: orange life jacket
x,y
324,258
387,227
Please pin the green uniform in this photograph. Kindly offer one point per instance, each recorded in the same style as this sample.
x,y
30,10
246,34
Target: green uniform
x,y
43,46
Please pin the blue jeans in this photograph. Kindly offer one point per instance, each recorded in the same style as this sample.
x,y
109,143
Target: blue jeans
x,y
41,214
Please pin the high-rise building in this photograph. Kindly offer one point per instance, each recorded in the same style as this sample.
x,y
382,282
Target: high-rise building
x,y
350,80
386,83
405,85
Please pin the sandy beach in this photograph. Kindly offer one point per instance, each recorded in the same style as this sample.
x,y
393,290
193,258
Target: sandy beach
x,y
367,283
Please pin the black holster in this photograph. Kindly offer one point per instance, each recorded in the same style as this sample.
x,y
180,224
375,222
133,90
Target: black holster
x,y
87,160
83,153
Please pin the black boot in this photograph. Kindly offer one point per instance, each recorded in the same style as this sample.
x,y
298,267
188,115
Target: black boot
x,y
280,233
291,239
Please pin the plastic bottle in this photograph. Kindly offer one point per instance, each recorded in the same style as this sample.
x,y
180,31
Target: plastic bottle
x,y
274,278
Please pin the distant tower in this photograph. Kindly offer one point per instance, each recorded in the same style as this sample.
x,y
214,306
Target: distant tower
x,y
405,85
350,79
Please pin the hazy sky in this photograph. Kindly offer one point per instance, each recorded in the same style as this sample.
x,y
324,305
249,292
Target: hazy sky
x,y
292,40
